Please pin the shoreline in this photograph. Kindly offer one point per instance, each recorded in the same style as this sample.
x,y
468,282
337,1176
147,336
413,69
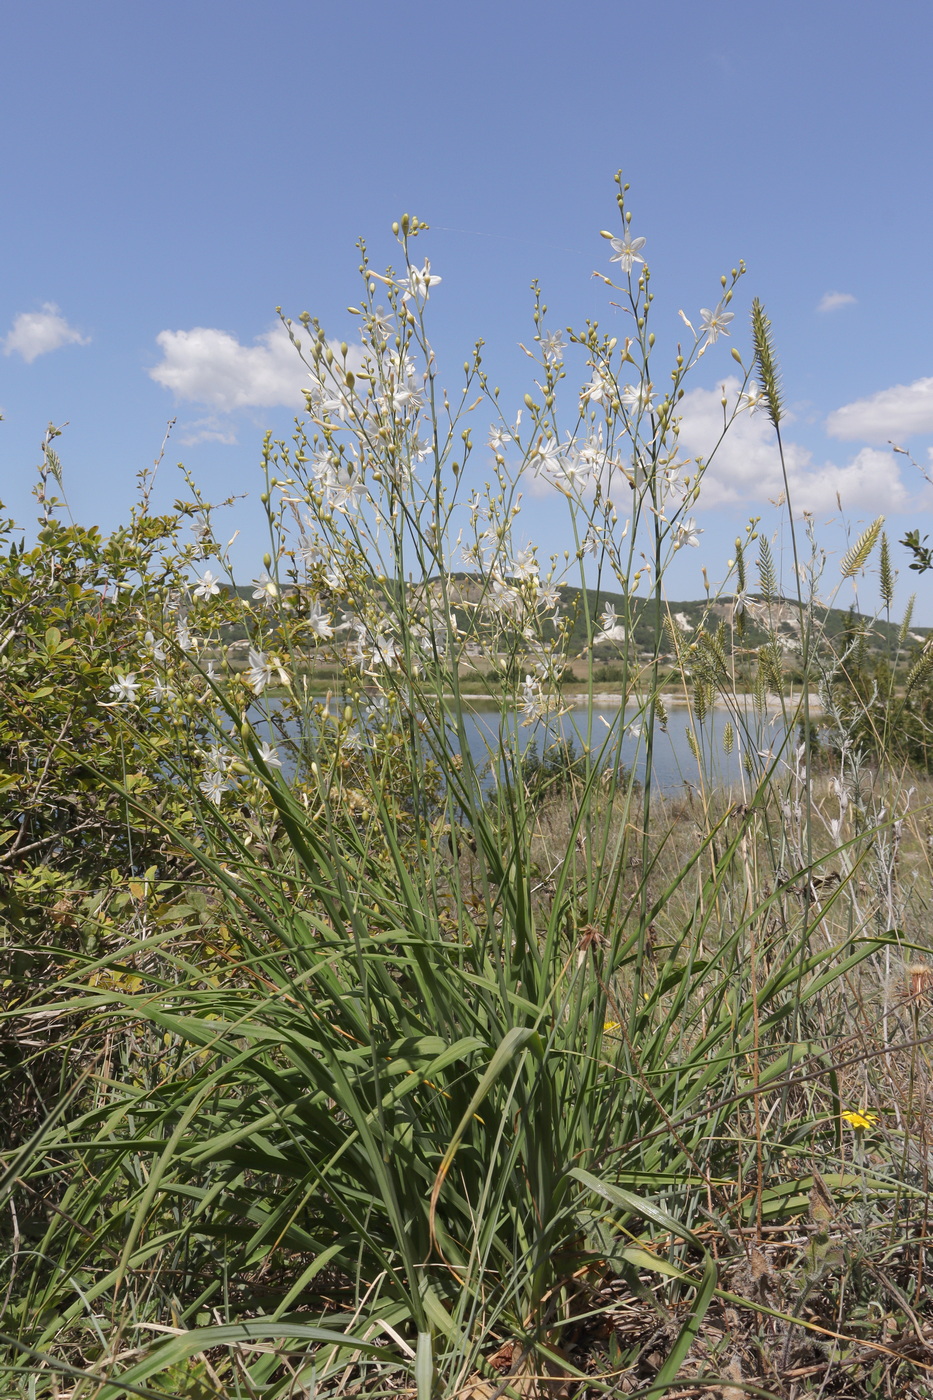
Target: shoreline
x,y
609,700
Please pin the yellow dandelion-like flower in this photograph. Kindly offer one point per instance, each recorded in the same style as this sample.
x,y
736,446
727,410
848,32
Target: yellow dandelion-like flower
x,y
859,1120
610,1026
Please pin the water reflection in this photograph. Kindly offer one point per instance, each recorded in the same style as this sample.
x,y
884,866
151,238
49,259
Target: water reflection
x,y
684,751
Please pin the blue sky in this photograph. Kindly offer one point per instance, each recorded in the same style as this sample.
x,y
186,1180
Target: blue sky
x,y
173,173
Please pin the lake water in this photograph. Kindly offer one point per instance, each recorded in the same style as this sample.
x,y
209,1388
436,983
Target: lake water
x,y
674,761
617,736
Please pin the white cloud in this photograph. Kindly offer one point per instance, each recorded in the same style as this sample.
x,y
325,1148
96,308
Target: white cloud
x,y
35,333
746,469
831,301
210,429
891,414
211,367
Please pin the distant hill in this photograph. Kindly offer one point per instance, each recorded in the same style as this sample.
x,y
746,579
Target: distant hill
x,y
879,639
838,625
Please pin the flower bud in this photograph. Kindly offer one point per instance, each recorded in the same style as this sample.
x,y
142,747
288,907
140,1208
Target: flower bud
x,y
529,401
395,228
267,561
736,356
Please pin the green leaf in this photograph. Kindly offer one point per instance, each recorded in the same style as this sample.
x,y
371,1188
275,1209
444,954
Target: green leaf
x,y
291,1332
424,1367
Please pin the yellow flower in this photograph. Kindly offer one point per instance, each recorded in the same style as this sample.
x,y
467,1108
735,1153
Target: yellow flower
x,y
859,1120
612,1025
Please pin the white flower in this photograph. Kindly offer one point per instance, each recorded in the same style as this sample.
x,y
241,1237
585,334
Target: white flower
x,y
345,491
591,542
402,399
625,251
744,603
162,691
612,629
686,532
498,438
547,456
319,621
320,466
714,322
596,390
208,587
532,700
505,599
576,468
214,785
637,399
155,648
399,367
183,636
259,673
380,321
552,346
524,565
638,474
326,398
269,756
415,286
125,687
218,759
266,588
386,651
310,553
371,651
418,447
378,710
